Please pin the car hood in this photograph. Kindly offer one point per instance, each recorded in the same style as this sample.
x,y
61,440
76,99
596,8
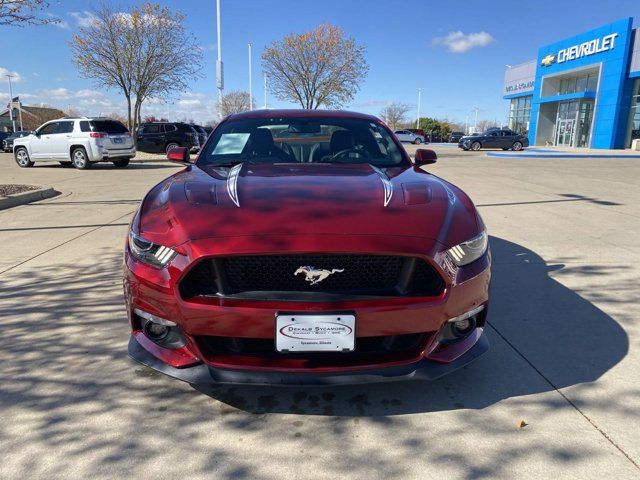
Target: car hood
x,y
305,199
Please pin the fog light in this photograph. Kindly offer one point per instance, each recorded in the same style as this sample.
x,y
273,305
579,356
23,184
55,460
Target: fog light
x,y
159,330
155,331
464,326
460,327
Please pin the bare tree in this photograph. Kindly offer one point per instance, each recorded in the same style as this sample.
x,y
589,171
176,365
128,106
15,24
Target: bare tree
x,y
144,53
395,114
322,67
117,116
484,125
24,12
235,102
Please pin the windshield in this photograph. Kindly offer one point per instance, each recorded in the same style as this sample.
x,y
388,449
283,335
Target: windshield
x,y
302,140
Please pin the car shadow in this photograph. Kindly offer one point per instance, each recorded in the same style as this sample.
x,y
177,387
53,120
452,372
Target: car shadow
x,y
544,336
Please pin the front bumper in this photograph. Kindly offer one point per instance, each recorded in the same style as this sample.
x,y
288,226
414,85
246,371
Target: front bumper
x,y
157,292
203,374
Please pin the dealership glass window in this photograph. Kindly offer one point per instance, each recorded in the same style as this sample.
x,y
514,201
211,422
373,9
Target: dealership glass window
x,y
519,114
584,123
587,82
634,118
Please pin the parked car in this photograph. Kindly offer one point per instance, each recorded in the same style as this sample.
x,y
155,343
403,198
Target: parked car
x,y
3,135
77,142
321,254
7,142
409,136
418,131
202,134
160,137
494,138
455,137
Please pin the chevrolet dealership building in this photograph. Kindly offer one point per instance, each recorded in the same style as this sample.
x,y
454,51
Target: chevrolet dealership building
x,y
583,91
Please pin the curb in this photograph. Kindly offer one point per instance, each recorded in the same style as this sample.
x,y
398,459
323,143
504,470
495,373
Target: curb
x,y
27,197
559,155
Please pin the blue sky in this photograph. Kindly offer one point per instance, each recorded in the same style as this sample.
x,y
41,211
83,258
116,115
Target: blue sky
x,y
455,51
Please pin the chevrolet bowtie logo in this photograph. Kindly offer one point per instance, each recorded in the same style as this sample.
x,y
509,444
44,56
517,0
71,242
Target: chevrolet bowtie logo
x,y
548,60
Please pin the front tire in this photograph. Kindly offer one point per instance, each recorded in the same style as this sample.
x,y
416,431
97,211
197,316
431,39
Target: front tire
x,y
122,163
475,146
517,146
417,141
22,157
80,159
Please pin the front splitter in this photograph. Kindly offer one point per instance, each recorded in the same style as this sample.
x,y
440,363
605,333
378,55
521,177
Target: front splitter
x,y
205,375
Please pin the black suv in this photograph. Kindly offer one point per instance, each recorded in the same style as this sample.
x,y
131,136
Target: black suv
x,y
7,142
494,138
202,134
160,137
455,137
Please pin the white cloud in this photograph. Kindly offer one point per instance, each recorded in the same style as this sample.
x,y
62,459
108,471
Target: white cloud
x,y
200,107
197,106
17,78
459,42
66,94
83,19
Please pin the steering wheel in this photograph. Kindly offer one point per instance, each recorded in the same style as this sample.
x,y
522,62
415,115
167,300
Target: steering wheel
x,y
342,153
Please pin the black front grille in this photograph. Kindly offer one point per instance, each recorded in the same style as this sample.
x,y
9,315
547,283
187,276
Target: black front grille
x,y
264,347
273,277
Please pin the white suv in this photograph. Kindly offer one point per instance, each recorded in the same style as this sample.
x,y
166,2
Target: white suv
x,y
408,136
78,142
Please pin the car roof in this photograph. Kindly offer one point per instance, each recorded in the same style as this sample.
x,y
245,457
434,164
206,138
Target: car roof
x,y
264,113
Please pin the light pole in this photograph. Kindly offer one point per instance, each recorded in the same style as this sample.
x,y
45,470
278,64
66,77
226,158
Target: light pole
x,y
219,71
265,90
475,125
13,120
250,80
419,101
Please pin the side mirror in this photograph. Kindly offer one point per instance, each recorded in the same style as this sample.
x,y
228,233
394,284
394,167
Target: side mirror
x,y
424,156
179,155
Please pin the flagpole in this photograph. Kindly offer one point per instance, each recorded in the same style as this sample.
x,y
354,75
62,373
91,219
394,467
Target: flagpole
x,y
20,114
11,103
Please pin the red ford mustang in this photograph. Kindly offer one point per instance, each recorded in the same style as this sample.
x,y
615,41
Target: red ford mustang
x,y
305,247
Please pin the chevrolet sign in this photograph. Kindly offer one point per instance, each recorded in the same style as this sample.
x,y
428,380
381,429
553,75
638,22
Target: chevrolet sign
x,y
599,45
548,60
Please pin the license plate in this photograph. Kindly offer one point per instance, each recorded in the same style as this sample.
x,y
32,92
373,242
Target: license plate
x,y
315,333
116,140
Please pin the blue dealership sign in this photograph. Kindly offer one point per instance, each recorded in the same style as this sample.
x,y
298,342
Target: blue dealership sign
x,y
608,48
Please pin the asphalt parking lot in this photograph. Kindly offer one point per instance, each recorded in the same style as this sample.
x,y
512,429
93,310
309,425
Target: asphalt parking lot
x,y
563,329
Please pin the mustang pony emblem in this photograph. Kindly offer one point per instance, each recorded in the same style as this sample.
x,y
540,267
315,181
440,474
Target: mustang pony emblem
x,y
314,275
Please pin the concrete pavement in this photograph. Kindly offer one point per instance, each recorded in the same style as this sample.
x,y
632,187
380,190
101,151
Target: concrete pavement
x,y
564,356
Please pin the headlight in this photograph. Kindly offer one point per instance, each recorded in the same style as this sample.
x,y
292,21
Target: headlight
x,y
469,251
149,252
